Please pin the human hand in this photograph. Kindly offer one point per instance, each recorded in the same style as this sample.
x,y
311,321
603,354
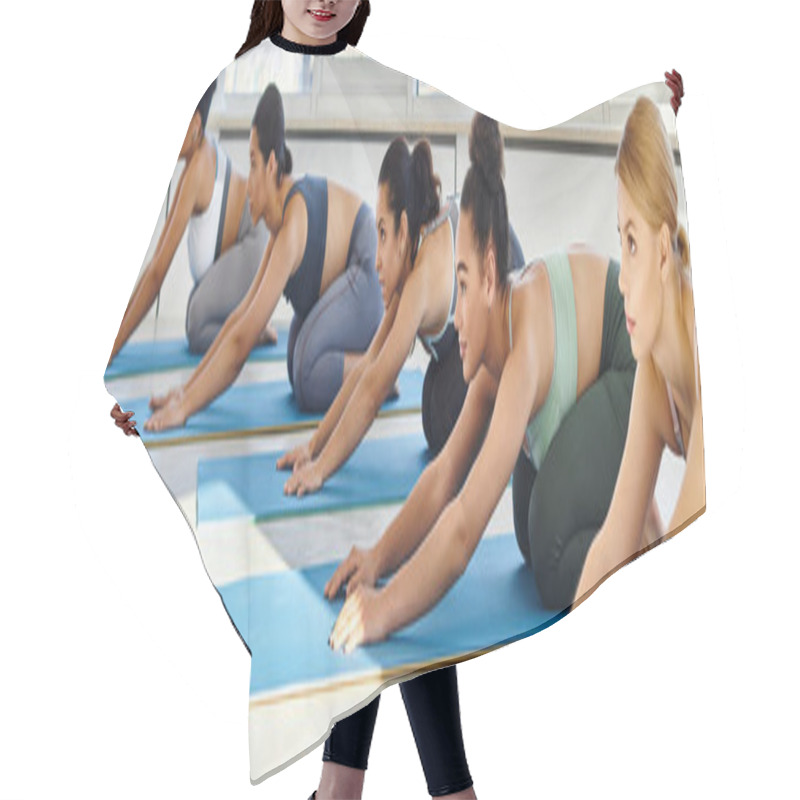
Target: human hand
x,y
295,458
304,480
361,620
124,420
359,568
170,415
159,401
675,83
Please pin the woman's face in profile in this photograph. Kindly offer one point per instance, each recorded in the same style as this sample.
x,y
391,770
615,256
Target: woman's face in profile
x,y
318,19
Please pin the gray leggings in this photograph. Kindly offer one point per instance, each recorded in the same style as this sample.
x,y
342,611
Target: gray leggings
x,y
225,284
558,511
343,320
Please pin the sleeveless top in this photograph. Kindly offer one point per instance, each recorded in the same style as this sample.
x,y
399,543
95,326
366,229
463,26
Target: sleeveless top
x,y
204,235
564,384
302,288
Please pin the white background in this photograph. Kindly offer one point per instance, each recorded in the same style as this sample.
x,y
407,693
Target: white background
x,y
120,675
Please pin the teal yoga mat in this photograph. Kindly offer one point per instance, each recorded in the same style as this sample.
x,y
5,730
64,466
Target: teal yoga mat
x,y
257,408
139,358
286,620
380,471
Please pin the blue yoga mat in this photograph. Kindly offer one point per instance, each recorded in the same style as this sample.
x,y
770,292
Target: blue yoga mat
x,y
380,471
138,358
286,620
267,407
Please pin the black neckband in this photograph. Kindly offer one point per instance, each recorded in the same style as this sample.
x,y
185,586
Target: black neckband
x,y
309,49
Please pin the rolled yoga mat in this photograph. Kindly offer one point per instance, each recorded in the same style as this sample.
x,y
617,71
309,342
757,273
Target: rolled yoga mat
x,y
285,620
139,358
380,471
258,408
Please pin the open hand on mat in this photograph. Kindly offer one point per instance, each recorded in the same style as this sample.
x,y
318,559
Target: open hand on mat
x,y
295,458
361,620
124,420
305,480
159,401
359,568
675,83
170,415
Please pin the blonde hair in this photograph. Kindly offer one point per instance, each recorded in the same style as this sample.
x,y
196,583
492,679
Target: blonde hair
x,y
645,166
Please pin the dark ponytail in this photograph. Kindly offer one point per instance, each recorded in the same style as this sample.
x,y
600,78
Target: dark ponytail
x,y
266,19
271,130
412,185
484,194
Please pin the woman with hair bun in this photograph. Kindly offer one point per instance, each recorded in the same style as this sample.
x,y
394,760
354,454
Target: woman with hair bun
x,y
322,244
550,373
656,282
417,272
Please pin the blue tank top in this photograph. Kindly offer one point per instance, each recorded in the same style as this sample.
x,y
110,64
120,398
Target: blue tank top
x,y
302,288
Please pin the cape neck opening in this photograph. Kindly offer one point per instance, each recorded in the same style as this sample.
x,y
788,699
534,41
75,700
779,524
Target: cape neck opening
x,y
308,49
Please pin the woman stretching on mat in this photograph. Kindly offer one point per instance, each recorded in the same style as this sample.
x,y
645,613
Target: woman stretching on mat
x,y
416,268
321,255
225,247
550,374
656,282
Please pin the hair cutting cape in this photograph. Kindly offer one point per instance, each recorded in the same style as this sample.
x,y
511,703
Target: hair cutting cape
x,y
270,555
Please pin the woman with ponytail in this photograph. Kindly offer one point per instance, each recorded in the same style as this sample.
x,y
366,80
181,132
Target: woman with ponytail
x,y
416,268
656,282
550,373
322,245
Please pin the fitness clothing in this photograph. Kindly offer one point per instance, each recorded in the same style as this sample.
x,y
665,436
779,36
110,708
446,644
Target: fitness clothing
x,y
343,320
559,507
225,283
431,702
434,345
302,288
564,383
204,234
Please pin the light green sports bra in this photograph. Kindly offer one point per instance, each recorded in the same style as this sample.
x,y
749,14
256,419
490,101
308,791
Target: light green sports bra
x,y
564,384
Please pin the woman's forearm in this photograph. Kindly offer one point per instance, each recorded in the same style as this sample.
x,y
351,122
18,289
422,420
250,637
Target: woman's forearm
x,y
413,522
323,433
142,299
217,372
355,421
431,572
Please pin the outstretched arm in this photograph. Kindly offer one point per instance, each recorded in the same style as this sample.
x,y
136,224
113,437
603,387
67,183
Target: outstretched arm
x,y
310,450
223,362
370,615
149,285
375,383
436,487
620,534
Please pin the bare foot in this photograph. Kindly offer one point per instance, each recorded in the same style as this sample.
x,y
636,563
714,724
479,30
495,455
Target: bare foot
x,y
268,336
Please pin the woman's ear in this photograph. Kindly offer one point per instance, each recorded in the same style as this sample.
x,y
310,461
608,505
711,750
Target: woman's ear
x,y
403,234
490,273
665,255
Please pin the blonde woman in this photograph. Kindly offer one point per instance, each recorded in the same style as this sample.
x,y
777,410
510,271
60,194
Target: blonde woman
x,y
656,284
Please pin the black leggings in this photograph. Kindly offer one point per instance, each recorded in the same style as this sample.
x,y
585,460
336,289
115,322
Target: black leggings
x,y
559,510
431,702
